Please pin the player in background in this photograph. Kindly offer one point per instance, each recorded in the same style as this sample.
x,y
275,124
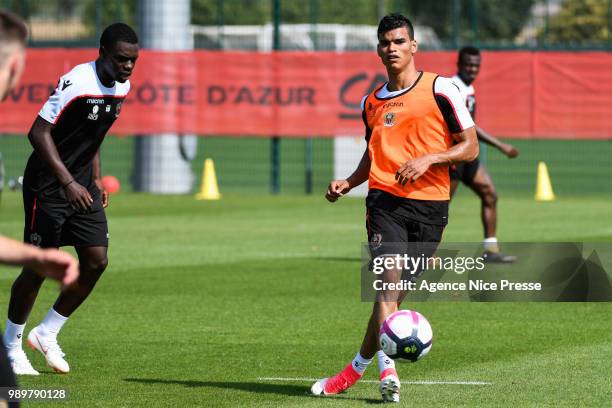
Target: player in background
x,y
49,263
63,196
474,174
416,125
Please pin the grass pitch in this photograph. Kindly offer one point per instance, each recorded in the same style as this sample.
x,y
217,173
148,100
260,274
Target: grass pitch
x,y
204,299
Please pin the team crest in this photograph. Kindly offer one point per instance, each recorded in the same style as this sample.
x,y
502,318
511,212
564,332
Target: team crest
x,y
118,109
94,113
35,239
376,241
389,119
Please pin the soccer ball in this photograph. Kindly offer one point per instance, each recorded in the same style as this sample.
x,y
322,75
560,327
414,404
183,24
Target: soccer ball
x,y
406,335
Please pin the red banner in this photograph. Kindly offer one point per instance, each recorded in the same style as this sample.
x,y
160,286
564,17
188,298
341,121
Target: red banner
x,y
519,94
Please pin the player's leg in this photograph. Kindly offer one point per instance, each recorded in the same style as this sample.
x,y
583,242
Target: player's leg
x,y
23,294
383,229
369,348
423,241
43,224
7,377
88,233
482,184
389,379
92,263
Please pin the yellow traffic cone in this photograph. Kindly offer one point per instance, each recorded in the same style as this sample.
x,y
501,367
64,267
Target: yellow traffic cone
x,y
209,190
544,190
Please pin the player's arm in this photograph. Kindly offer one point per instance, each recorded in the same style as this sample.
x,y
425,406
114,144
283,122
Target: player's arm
x,y
42,141
338,188
465,150
491,140
460,125
49,263
362,172
97,174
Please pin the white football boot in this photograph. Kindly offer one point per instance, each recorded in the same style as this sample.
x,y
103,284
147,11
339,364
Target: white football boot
x,y
20,363
48,346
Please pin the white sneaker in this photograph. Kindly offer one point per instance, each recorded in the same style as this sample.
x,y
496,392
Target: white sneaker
x,y
390,388
20,363
48,346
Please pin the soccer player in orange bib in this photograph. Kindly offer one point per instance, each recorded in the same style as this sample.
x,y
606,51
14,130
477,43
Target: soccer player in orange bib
x,y
417,125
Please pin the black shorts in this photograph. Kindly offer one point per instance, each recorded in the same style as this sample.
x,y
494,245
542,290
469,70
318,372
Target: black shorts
x,y
464,172
393,227
53,224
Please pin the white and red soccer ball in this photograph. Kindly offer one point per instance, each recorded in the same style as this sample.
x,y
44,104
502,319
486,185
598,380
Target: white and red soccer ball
x,y
406,335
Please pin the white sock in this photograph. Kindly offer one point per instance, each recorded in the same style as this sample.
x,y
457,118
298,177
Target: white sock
x,y
360,364
490,244
13,334
384,362
52,323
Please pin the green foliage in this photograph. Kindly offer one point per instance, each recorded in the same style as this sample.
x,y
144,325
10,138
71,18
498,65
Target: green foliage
x,y
331,12
214,12
579,21
478,20
500,19
112,11
230,12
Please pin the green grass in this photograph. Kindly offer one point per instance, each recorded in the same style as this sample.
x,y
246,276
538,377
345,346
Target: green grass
x,y
243,163
203,298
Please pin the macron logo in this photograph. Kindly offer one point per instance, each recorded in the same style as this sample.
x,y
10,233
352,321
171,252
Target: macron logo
x,y
66,84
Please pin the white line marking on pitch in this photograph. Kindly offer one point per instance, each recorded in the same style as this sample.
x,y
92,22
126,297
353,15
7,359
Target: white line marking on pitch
x,y
373,381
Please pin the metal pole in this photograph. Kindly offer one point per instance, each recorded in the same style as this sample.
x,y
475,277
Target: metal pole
x,y
220,21
475,25
609,36
275,141
456,23
162,162
308,165
546,24
98,18
308,154
381,9
118,10
26,9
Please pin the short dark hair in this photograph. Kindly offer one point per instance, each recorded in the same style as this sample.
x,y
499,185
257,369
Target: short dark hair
x,y
393,21
12,28
117,32
468,50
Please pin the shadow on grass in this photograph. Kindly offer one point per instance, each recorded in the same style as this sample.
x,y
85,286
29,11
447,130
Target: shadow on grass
x,y
254,387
